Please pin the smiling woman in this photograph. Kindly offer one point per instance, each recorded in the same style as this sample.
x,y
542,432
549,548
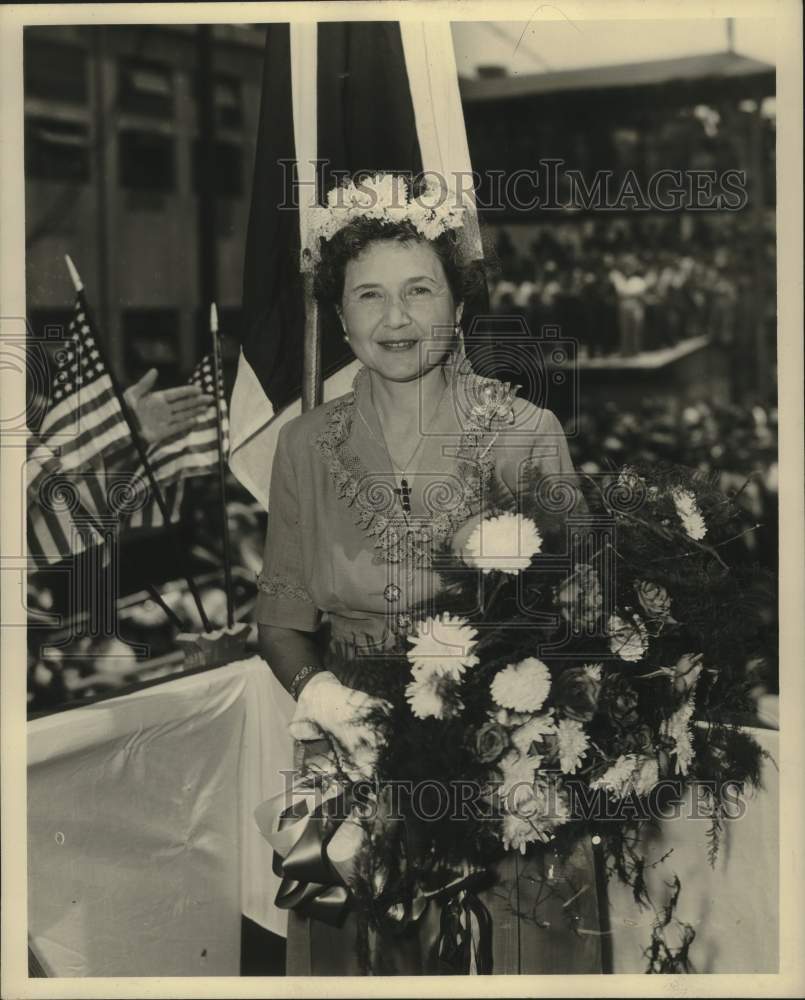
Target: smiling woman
x,y
364,490
398,309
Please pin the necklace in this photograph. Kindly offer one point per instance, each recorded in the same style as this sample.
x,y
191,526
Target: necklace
x,y
352,482
403,491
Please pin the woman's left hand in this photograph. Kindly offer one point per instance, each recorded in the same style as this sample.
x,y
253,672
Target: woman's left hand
x,y
327,706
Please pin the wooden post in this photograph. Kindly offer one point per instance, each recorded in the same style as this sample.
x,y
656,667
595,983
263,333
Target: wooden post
x,y
219,386
207,179
311,359
98,36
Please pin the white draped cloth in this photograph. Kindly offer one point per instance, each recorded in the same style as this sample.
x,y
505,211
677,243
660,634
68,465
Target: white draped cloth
x,y
142,847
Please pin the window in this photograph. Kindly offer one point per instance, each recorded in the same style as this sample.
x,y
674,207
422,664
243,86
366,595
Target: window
x,y
227,101
145,88
56,150
227,97
152,341
54,71
228,165
147,161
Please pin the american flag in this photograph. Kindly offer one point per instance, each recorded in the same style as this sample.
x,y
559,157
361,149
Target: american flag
x,y
57,534
83,431
150,516
65,467
84,418
63,508
67,509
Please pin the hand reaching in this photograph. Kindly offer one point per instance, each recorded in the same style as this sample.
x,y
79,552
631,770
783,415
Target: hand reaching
x,y
168,411
327,706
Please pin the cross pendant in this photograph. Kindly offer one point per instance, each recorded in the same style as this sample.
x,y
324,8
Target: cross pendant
x,y
404,492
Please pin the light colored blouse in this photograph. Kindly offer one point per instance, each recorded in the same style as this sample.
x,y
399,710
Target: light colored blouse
x,y
338,546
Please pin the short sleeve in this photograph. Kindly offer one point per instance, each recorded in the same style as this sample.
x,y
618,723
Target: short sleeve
x,y
546,450
283,598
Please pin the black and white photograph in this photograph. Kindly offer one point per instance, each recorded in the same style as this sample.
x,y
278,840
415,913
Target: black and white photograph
x,y
402,487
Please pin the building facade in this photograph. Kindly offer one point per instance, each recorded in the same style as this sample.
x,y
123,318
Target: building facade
x,y
112,166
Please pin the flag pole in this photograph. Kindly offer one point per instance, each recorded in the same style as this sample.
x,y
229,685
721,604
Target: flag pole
x,y
168,611
218,382
311,358
134,430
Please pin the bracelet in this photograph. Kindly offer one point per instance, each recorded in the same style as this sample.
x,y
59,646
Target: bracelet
x,y
300,676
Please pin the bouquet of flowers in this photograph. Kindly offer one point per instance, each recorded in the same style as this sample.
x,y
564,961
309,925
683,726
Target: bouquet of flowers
x,y
582,663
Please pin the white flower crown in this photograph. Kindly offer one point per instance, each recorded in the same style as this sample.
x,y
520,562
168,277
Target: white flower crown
x,y
433,210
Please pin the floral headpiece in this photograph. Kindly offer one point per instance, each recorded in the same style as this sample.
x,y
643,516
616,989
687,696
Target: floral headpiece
x,y
432,210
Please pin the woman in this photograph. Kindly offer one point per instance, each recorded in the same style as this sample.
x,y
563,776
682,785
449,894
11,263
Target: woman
x,y
361,488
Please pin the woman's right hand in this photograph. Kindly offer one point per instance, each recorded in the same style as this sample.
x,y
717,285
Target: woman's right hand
x,y
326,706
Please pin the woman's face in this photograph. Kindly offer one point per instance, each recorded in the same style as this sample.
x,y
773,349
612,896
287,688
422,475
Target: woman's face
x,y
398,310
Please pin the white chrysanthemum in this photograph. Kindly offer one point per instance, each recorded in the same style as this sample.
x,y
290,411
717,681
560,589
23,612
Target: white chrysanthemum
x,y
615,779
677,728
418,214
533,731
630,773
689,514
396,214
628,640
389,194
432,228
506,543
517,769
434,194
385,197
425,696
573,744
517,832
646,776
593,670
359,198
522,686
390,190
442,646
322,223
537,811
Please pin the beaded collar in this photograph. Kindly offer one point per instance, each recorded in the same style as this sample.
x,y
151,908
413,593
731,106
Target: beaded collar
x,y
485,404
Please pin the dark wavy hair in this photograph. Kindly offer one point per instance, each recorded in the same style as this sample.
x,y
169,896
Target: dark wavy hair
x,y
465,278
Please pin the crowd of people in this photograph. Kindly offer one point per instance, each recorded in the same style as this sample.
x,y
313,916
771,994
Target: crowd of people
x,y
620,289
736,443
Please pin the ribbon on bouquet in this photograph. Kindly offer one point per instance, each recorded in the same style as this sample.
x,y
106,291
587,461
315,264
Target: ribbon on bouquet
x,y
313,883
465,931
317,841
